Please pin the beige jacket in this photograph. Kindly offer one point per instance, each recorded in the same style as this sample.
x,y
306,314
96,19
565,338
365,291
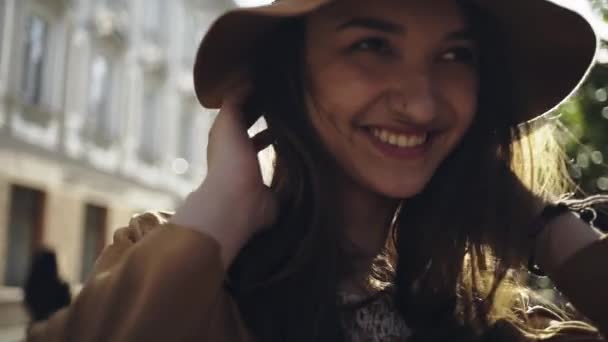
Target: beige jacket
x,y
168,286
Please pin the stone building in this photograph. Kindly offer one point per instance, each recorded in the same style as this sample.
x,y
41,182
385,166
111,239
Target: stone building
x,y
98,120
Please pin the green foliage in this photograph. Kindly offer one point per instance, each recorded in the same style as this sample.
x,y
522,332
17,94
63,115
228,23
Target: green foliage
x,y
586,119
585,123
601,7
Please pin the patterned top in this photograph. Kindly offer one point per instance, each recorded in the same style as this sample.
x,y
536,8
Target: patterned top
x,y
373,320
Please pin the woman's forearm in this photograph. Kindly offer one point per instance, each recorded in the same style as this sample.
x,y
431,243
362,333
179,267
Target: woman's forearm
x,y
562,238
164,288
205,211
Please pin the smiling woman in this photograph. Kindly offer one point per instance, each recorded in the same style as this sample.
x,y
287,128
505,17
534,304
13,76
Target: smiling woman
x,y
406,201
409,89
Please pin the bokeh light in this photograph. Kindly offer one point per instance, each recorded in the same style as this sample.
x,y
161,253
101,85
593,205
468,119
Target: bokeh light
x,y
180,166
601,95
602,183
597,157
605,113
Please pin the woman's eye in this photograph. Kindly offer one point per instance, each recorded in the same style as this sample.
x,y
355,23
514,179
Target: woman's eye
x,y
375,45
461,55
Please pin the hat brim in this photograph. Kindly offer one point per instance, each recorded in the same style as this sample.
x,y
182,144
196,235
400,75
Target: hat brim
x,y
551,49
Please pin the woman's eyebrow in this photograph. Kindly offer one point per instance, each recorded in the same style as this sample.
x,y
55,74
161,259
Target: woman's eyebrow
x,y
464,34
373,24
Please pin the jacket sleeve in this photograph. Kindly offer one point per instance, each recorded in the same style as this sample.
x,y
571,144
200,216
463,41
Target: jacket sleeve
x,y
583,279
163,284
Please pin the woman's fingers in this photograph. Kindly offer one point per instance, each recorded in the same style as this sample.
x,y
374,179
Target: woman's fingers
x,y
126,234
233,105
238,106
234,178
228,131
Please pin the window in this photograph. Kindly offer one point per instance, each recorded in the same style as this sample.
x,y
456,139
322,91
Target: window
x,y
153,13
193,33
193,131
2,20
103,125
94,237
202,124
111,19
150,126
24,232
35,51
186,135
113,3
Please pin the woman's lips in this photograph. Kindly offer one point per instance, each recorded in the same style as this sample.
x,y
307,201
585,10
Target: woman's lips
x,y
398,144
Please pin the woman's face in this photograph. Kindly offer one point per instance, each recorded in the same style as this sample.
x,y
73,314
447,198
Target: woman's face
x,y
392,88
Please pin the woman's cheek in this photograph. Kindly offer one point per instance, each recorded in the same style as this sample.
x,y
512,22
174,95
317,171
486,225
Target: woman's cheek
x,y
346,91
459,88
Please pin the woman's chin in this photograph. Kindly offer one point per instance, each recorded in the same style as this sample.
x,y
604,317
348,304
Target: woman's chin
x,y
398,190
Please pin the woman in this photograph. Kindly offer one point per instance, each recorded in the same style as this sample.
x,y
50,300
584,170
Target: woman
x,y
404,202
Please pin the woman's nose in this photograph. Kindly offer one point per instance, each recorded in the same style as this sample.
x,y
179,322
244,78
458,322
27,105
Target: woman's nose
x,y
413,99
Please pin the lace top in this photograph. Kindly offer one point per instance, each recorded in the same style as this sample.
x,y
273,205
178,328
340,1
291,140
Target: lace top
x,y
373,320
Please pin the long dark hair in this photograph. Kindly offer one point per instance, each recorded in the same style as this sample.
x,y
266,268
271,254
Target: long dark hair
x,y
285,279
455,245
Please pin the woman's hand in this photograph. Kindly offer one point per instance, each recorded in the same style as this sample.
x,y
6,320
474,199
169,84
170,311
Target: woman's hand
x,y
233,202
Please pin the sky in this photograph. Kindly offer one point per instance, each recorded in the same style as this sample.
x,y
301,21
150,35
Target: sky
x,y
581,6
251,3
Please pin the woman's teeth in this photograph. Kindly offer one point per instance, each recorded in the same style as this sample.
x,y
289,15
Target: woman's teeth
x,y
398,139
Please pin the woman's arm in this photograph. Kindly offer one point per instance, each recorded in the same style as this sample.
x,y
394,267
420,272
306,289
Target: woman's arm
x,y
167,286
575,256
562,237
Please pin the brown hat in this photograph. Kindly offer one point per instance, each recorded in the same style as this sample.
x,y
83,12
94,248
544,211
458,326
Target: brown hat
x,y
551,48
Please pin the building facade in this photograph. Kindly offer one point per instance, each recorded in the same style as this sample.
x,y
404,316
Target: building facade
x,y
98,120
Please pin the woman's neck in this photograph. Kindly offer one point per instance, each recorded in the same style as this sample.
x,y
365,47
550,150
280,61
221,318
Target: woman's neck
x,y
366,219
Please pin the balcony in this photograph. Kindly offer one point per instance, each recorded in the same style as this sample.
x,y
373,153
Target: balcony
x,y
153,58
110,24
58,4
217,6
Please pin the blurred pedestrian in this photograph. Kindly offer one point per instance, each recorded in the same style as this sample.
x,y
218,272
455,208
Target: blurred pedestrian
x,y
44,291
